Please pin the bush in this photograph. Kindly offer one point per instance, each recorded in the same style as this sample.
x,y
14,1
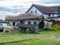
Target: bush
x,y
52,29
40,29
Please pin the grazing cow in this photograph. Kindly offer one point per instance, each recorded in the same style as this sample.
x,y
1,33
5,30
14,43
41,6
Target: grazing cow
x,y
8,28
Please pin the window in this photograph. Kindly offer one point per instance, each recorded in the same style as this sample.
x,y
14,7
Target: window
x,y
35,11
31,11
35,22
58,15
29,22
0,24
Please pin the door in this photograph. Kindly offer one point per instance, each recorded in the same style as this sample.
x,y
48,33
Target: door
x,y
41,24
13,23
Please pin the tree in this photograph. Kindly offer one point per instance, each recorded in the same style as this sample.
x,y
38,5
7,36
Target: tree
x,y
8,17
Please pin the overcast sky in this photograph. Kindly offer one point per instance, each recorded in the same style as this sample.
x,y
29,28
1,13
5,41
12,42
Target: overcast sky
x,y
15,7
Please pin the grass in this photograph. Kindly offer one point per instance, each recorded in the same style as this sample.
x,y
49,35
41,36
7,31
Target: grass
x,y
43,38
35,42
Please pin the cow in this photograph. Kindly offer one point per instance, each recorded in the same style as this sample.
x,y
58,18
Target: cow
x,y
8,28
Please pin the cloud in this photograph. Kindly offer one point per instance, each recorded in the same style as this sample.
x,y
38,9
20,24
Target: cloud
x,y
25,3
3,14
2,0
9,3
14,7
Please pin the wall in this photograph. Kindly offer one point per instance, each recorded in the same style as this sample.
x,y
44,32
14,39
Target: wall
x,y
32,21
38,12
11,23
16,22
3,24
47,24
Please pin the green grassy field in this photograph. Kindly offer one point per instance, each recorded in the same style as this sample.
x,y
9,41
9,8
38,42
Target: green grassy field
x,y
43,38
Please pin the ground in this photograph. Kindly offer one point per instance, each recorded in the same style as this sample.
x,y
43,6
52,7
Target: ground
x,y
18,38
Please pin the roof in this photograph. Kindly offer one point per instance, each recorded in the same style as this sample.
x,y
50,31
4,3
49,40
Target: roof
x,y
46,9
26,16
54,18
4,22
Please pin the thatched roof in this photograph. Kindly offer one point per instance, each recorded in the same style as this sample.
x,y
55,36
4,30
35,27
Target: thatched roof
x,y
26,16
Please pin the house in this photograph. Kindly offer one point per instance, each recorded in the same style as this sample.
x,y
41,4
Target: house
x,y
46,11
50,12
26,18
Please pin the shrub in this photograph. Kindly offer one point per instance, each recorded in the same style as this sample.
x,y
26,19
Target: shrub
x,y
52,29
40,29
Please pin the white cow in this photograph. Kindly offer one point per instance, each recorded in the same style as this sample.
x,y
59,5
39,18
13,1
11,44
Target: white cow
x,y
8,28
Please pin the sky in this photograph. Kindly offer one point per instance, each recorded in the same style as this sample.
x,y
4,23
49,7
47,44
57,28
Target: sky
x,y
15,7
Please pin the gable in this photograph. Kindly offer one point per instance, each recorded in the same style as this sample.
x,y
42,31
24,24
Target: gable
x,y
33,9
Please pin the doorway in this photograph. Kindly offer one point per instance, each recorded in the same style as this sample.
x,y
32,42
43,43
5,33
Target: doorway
x,y
41,24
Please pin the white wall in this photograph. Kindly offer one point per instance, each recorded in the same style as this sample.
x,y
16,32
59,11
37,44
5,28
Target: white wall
x,y
25,22
3,24
11,22
32,21
16,24
49,24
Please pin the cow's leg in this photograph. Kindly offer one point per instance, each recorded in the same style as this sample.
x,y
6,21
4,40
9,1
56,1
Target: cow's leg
x,y
9,30
3,30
